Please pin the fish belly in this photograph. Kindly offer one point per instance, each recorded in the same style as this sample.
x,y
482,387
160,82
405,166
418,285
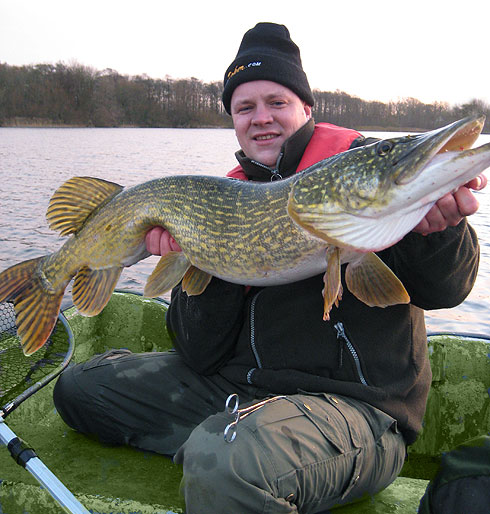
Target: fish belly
x,y
309,266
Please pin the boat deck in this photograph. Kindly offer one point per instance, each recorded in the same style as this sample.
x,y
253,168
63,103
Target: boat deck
x,y
110,480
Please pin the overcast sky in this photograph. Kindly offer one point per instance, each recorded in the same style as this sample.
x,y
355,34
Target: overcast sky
x,y
432,50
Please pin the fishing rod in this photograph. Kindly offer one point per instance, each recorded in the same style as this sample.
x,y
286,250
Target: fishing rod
x,y
20,378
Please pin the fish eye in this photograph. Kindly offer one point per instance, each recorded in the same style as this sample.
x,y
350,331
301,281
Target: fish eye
x,y
384,147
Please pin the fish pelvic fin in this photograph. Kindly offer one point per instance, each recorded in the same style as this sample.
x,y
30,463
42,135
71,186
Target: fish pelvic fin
x,y
36,305
332,292
373,282
195,281
92,289
169,271
74,201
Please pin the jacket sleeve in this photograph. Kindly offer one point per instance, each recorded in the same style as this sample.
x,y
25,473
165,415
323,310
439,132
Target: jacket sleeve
x,y
204,328
437,270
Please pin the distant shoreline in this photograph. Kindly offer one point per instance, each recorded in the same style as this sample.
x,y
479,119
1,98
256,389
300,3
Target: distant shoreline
x,y
65,96
44,123
47,123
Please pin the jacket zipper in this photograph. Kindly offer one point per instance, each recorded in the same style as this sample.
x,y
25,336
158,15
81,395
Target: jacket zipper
x,y
341,335
275,175
252,330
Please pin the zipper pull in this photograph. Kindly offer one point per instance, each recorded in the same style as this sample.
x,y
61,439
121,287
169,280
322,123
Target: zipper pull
x,y
275,175
341,337
275,172
339,327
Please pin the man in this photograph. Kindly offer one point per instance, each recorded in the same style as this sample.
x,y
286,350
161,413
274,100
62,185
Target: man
x,y
352,390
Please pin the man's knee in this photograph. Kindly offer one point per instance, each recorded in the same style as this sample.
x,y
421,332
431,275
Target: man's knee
x,y
76,399
223,475
65,397
206,453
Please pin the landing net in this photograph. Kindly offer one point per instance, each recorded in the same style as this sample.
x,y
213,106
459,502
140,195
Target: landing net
x,y
22,376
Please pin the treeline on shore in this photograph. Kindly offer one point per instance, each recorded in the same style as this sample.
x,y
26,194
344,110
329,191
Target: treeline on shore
x,y
78,95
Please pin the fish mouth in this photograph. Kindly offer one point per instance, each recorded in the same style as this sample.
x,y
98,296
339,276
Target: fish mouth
x,y
422,148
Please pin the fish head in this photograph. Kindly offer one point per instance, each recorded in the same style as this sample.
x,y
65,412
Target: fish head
x,y
369,197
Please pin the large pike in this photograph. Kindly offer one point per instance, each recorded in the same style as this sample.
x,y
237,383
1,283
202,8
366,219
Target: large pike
x,y
338,211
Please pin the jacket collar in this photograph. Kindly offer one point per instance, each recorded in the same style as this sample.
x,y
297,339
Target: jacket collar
x,y
289,157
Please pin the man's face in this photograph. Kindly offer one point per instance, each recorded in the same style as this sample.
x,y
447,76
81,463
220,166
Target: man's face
x,y
264,115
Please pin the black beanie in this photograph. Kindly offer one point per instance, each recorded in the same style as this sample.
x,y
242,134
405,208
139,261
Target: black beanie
x,y
267,53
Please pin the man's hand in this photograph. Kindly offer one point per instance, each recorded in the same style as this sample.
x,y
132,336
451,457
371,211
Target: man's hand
x,y
160,242
452,208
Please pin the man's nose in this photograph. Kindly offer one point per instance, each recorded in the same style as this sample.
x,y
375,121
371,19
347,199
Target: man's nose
x,y
262,115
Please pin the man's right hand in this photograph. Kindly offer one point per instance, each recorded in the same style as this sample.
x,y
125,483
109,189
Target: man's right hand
x,y
160,242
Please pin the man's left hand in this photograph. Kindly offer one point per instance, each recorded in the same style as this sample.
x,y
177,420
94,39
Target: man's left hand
x,y
452,208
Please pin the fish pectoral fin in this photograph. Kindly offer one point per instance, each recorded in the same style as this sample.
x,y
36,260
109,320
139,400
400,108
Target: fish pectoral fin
x,y
373,282
74,201
195,281
92,289
332,292
36,307
167,274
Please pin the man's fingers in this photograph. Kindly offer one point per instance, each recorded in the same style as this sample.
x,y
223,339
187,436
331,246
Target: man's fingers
x,y
449,210
152,240
435,218
159,241
478,183
466,201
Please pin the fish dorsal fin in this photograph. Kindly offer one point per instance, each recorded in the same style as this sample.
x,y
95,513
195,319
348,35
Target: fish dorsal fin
x,y
74,201
373,282
195,281
92,289
169,271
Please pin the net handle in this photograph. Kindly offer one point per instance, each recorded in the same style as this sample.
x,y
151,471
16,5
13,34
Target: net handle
x,y
41,473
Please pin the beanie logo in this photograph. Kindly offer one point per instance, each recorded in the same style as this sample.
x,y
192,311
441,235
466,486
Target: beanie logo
x,y
242,67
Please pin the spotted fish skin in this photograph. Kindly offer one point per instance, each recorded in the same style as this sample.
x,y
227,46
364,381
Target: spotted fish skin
x,y
338,211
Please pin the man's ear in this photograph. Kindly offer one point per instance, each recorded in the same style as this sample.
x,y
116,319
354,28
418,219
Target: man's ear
x,y
308,110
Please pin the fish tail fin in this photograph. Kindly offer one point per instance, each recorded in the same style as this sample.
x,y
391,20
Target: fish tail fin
x,y
36,304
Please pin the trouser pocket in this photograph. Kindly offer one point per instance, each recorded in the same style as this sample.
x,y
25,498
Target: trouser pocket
x,y
340,425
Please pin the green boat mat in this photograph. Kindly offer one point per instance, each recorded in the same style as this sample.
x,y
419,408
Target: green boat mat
x,y
111,480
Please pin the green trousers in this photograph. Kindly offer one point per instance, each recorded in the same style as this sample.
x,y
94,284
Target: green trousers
x,y
303,453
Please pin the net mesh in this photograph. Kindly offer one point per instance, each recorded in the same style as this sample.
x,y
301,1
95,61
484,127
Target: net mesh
x,y
20,374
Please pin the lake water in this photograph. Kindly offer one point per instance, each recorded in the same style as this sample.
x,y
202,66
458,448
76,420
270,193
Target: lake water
x,y
34,162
